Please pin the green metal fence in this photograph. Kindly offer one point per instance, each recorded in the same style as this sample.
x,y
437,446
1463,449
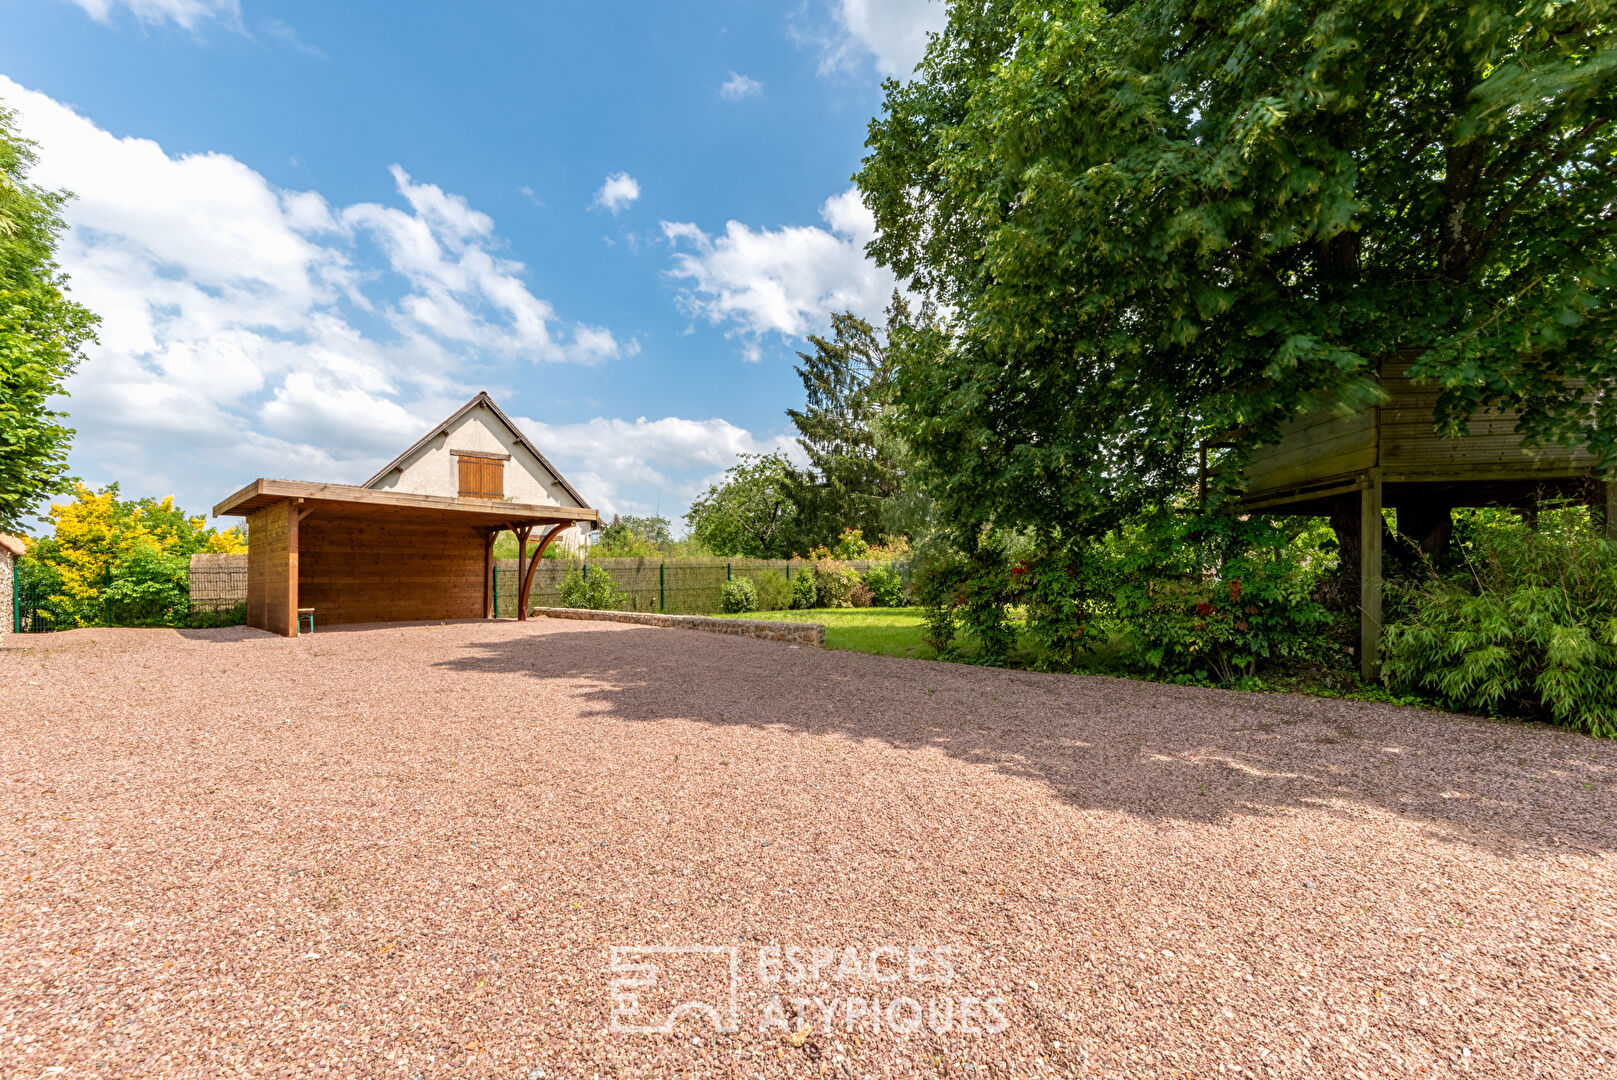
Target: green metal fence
x,y
675,586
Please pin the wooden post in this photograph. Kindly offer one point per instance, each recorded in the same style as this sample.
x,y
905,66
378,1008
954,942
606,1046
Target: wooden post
x,y
488,573
1370,526
293,516
539,553
1611,509
523,532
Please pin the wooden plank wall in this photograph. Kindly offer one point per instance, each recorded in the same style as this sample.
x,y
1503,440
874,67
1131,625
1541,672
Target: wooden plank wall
x,y
1315,446
381,569
270,591
1409,446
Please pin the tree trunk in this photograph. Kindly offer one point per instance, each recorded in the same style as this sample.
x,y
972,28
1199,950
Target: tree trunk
x,y
1428,527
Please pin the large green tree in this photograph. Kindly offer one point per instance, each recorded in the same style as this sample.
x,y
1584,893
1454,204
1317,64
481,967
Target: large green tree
x,y
42,334
855,459
750,513
1160,220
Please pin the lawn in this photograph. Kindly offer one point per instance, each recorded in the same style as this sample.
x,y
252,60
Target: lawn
x,y
883,631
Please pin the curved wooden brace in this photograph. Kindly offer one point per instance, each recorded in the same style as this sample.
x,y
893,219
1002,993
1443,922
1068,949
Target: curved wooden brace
x,y
527,578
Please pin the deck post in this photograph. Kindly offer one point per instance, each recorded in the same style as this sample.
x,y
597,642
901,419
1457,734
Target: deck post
x,y
1370,526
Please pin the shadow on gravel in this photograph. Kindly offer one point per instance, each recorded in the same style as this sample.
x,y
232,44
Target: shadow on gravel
x,y
1158,752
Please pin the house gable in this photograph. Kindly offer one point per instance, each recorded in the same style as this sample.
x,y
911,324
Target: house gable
x,y
480,446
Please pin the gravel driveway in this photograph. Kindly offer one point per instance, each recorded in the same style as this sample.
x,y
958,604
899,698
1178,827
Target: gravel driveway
x,y
409,851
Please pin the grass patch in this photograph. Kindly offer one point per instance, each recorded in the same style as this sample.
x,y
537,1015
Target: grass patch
x,y
883,631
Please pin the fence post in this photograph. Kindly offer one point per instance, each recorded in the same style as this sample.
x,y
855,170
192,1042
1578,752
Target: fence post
x,y
727,576
106,593
788,570
662,588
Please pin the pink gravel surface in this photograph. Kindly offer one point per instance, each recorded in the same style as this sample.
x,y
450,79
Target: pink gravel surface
x,y
409,851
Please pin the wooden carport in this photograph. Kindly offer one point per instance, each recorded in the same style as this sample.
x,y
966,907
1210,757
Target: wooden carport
x,y
357,554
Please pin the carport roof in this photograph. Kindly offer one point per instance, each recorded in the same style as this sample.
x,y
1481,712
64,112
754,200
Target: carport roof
x,y
348,499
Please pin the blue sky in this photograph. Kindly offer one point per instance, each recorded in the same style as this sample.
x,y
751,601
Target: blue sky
x,y
314,229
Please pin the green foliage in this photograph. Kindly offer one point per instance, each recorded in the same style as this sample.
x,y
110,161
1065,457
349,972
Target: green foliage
x,y
751,513
852,466
42,335
150,587
1530,630
737,596
146,542
232,616
886,585
804,594
631,537
595,591
1213,597
1054,593
834,584
774,591
1170,219
938,589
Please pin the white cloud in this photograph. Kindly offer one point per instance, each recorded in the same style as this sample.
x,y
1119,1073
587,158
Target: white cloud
x,y
250,331
619,191
739,86
892,33
648,466
784,281
185,13
283,33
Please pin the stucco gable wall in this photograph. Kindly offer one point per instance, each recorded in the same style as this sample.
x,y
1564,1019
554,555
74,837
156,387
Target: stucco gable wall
x,y
432,470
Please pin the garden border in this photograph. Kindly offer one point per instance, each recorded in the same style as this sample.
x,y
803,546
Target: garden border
x,y
794,633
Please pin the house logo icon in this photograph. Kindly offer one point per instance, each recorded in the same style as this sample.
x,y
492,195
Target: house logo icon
x,y
655,986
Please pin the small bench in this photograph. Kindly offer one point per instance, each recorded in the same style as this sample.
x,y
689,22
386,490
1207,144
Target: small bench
x,y
305,613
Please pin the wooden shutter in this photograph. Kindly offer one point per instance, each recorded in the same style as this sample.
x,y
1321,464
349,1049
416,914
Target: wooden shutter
x,y
481,477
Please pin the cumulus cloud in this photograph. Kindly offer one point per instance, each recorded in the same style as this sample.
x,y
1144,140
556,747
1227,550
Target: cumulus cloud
x,y
648,466
184,13
249,330
739,86
892,34
782,281
619,190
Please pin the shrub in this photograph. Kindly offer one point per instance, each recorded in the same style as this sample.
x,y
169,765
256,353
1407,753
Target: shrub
x,y
834,584
1053,592
774,591
804,595
738,596
886,586
595,591
150,587
860,596
937,587
1531,629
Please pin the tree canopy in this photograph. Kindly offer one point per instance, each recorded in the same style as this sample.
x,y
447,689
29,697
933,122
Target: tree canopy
x,y
1163,220
750,513
42,335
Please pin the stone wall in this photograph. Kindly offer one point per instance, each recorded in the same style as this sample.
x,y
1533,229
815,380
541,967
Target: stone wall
x,y
8,570
794,633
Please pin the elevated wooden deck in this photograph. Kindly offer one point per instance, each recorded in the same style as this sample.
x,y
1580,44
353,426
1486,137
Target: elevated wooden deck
x,y
1325,454
1351,465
